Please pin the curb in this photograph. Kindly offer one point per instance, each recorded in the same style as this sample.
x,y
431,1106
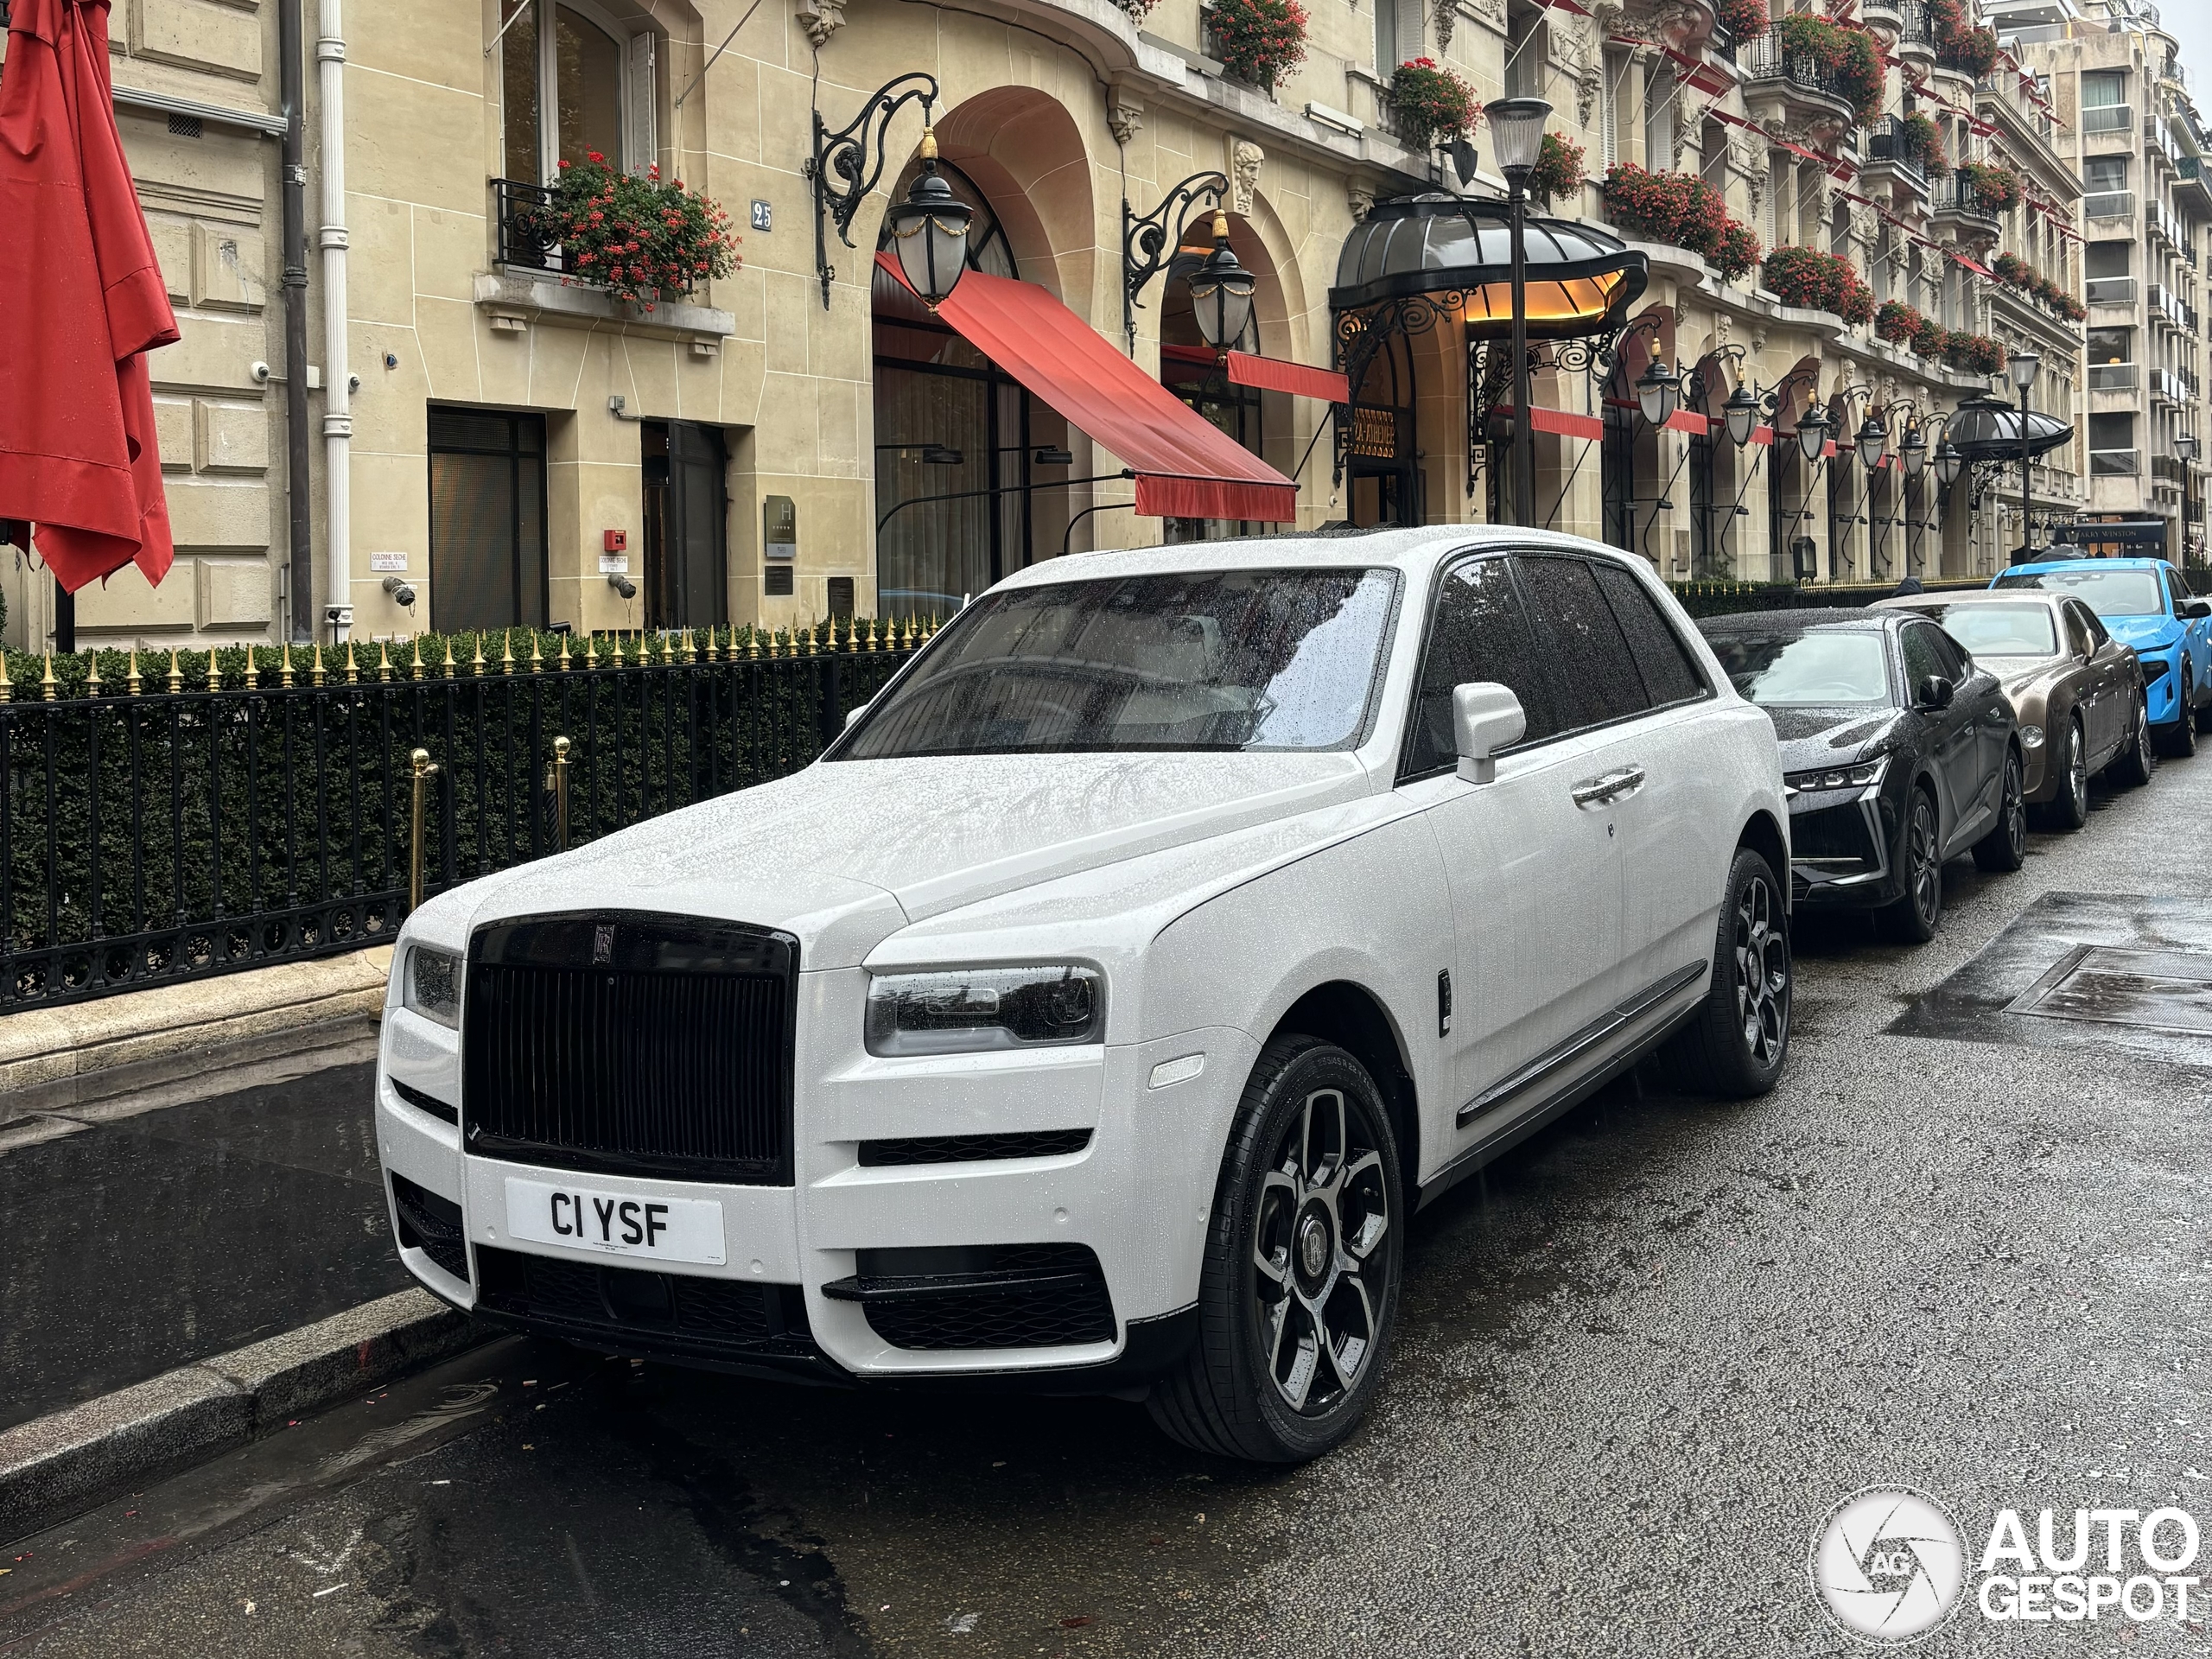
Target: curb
x,y
69,1460
52,1045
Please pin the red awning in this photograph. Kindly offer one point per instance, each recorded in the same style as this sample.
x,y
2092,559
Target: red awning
x,y
1762,434
1978,270
1687,420
1565,422
1706,77
81,303
1187,466
1273,374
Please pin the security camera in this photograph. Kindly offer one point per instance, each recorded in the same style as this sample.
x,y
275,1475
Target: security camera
x,y
402,592
623,586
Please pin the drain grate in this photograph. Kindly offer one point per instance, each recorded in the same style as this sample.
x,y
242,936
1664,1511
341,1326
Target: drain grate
x,y
2111,985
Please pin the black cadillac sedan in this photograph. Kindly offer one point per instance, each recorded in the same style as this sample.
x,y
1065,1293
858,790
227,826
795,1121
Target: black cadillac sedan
x,y
1898,750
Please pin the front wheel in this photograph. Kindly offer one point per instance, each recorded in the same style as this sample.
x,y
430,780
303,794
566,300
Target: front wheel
x,y
2180,738
1737,1042
1912,918
2138,760
2005,847
1299,1290
2069,808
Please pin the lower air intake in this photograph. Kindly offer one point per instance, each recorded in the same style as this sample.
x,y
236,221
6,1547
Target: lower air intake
x,y
994,1296
432,1225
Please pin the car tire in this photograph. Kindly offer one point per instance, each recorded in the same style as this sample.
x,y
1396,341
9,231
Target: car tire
x,y
1735,1044
2179,740
2005,847
2138,760
1912,918
1312,1165
2070,809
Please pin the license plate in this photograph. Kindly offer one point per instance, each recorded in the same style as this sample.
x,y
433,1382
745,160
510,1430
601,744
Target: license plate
x,y
617,1223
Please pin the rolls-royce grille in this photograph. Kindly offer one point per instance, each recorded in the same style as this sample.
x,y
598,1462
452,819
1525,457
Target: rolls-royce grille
x,y
629,1044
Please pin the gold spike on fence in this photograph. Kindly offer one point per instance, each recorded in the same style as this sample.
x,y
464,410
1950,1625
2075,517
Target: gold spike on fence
x,y
284,665
506,650
384,662
92,674
131,683
7,686
536,660
176,672
45,680
561,794
315,667
352,670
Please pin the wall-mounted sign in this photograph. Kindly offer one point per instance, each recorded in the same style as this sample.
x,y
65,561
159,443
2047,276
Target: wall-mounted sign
x,y
779,527
762,218
394,562
614,564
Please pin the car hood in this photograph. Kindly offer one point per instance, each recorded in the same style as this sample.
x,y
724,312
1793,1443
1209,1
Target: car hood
x,y
1811,737
2021,675
2144,633
846,853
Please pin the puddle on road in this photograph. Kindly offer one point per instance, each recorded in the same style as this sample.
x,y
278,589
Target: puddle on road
x,y
2102,971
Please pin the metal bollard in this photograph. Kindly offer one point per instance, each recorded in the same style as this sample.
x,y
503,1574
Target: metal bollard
x,y
561,794
424,770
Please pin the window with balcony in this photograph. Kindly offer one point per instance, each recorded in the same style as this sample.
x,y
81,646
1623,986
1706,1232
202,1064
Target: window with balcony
x,y
2111,446
2101,89
573,80
2103,174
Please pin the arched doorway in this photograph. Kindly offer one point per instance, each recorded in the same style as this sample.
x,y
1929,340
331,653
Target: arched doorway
x,y
1381,481
960,447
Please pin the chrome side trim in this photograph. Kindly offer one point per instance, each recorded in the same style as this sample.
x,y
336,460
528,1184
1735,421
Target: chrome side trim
x,y
1563,1055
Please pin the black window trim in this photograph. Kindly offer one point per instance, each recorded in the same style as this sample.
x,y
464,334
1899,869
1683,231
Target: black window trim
x,y
1547,646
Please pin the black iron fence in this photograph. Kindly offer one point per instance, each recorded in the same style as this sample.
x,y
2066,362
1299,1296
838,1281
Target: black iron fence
x,y
527,237
163,818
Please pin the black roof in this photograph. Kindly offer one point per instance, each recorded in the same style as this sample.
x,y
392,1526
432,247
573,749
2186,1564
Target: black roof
x,y
1803,621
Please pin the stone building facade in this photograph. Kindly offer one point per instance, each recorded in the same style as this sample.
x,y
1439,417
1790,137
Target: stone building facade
x,y
775,448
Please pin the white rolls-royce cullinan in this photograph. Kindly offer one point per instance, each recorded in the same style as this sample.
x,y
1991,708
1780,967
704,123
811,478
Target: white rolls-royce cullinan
x,y
1098,1009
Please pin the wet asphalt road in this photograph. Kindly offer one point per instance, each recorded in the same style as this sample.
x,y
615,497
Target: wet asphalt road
x,y
1639,1361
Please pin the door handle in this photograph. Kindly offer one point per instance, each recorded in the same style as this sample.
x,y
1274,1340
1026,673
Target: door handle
x,y
1596,791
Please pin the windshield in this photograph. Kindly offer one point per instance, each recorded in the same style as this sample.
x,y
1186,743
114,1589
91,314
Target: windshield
x,y
1215,659
2108,593
1806,669
1998,630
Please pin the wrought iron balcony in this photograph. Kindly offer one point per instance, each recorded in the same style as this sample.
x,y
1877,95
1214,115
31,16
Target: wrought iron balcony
x,y
1916,29
1957,195
526,235
1886,146
1766,59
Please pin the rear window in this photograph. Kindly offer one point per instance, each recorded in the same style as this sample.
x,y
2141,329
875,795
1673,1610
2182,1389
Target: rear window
x,y
2108,593
1806,669
1999,629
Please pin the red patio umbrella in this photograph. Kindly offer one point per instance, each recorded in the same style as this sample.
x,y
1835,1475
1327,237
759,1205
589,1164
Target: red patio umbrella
x,y
81,302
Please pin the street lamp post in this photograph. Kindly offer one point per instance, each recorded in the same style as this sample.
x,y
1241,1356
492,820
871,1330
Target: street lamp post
x,y
2185,445
2023,364
1516,127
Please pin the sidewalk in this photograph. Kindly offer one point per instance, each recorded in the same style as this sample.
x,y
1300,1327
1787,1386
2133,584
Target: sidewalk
x,y
146,1242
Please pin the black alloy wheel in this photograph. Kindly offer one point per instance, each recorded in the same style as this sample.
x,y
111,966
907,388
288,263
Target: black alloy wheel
x,y
1299,1293
1736,1044
2180,738
2138,760
1911,920
2069,808
2006,846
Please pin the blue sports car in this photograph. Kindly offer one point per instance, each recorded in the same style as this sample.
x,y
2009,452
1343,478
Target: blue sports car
x,y
2143,605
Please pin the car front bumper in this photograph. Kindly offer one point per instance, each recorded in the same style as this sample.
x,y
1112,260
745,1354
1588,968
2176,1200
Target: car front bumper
x,y
1083,1261
1840,845
2162,685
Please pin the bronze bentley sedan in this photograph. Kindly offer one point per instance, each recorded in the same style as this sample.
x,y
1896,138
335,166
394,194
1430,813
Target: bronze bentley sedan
x,y
2077,691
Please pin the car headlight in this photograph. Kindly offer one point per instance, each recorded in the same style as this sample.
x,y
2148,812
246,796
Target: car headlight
x,y
1050,1004
2156,667
2031,737
1855,776
432,987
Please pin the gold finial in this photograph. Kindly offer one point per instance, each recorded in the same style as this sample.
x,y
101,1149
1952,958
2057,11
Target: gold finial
x,y
690,652
506,650
92,673
45,680
416,672
752,642
352,670
7,686
450,663
536,658
806,640
284,665
929,143
383,661
591,653
1220,225
131,683
852,631
476,662
314,669
176,672
564,654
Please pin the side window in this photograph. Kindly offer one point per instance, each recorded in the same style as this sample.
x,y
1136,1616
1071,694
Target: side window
x,y
1921,657
1669,673
1478,632
2175,591
2079,640
1958,661
1591,666
2088,621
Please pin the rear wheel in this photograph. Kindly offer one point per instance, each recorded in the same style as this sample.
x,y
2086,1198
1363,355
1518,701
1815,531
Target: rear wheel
x,y
2179,738
1912,918
2069,808
2005,847
1298,1292
1740,1036
2138,760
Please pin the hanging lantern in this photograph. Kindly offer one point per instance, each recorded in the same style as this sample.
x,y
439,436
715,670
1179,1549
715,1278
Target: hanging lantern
x,y
1873,438
1221,292
1949,462
1741,412
1813,428
1658,391
1912,448
928,230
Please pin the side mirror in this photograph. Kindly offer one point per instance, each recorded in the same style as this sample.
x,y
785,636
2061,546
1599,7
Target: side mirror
x,y
854,714
1936,693
2196,609
1486,718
